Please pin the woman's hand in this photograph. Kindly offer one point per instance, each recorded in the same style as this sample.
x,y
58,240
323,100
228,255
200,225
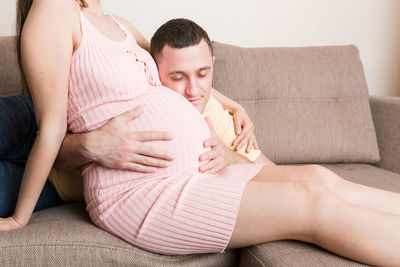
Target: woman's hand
x,y
244,128
10,223
218,157
116,146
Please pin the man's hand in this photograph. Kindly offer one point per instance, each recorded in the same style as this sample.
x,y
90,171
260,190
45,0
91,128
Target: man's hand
x,y
244,128
219,156
116,146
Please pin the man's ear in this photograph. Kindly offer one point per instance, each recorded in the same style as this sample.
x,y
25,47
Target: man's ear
x,y
213,60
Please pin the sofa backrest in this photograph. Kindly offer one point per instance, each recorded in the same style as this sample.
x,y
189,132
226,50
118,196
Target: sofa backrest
x,y
10,75
309,104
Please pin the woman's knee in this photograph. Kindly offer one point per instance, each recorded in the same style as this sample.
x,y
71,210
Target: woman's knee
x,y
318,207
315,204
324,177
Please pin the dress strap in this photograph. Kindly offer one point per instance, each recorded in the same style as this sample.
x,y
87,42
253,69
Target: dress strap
x,y
123,28
82,19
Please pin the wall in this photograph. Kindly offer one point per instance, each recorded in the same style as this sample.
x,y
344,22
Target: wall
x,y
372,25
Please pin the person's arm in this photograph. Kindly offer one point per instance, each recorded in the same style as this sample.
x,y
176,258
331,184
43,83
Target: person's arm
x,y
115,146
226,102
46,48
219,156
244,127
140,39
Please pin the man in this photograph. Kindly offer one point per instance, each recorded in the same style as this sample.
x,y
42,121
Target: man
x,y
184,56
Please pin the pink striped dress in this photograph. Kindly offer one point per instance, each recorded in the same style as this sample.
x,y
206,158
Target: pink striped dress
x,y
175,210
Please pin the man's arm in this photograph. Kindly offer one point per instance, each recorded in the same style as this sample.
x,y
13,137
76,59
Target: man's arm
x,y
225,101
72,152
244,127
115,146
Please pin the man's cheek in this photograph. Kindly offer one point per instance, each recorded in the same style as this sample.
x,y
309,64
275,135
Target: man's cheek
x,y
177,87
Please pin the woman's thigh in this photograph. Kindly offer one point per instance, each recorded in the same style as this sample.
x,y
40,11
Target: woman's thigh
x,y
277,210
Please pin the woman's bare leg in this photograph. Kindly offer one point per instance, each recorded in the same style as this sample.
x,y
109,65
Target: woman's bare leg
x,y
357,194
307,212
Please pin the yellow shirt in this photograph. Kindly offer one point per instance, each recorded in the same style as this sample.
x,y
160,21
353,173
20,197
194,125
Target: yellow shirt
x,y
69,184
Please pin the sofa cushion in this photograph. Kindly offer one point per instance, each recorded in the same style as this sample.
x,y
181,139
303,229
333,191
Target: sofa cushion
x,y
10,75
64,236
309,104
294,253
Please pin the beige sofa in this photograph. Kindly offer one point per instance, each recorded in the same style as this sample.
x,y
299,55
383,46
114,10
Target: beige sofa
x,y
309,105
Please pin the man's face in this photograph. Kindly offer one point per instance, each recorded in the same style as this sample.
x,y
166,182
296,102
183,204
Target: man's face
x,y
188,71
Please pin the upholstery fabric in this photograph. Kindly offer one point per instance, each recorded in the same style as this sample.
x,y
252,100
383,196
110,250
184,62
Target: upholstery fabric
x,y
386,116
309,104
64,236
10,75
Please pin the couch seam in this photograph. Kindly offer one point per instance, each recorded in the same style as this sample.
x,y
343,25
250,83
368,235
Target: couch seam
x,y
254,256
305,99
180,257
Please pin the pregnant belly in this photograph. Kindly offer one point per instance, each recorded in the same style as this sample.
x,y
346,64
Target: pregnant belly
x,y
165,110
162,110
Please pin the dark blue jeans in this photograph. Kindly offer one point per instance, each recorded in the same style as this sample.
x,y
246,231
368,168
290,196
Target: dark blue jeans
x,y
17,134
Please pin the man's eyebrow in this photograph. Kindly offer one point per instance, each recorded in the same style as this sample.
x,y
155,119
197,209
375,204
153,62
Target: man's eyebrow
x,y
205,68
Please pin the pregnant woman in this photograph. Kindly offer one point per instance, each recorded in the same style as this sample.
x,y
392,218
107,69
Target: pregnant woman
x,y
84,68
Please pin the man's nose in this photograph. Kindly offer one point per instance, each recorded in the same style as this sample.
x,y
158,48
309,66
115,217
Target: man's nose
x,y
192,89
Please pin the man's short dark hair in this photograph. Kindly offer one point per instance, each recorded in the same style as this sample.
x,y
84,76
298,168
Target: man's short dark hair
x,y
178,33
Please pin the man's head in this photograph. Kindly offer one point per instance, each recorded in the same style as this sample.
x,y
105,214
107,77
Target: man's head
x,y
184,56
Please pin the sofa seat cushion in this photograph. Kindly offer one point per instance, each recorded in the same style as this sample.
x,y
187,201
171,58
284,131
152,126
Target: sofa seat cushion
x,y
64,236
294,253
367,174
309,104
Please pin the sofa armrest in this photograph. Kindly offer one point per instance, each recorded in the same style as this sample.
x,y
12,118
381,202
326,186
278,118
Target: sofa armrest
x,y
386,116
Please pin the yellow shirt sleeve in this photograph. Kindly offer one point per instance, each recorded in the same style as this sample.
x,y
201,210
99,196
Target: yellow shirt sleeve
x,y
223,124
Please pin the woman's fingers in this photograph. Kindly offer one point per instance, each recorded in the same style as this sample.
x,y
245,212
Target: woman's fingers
x,y
7,224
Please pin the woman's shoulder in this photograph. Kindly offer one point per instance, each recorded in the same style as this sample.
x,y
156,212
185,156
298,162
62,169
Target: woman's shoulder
x,y
57,10
65,5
